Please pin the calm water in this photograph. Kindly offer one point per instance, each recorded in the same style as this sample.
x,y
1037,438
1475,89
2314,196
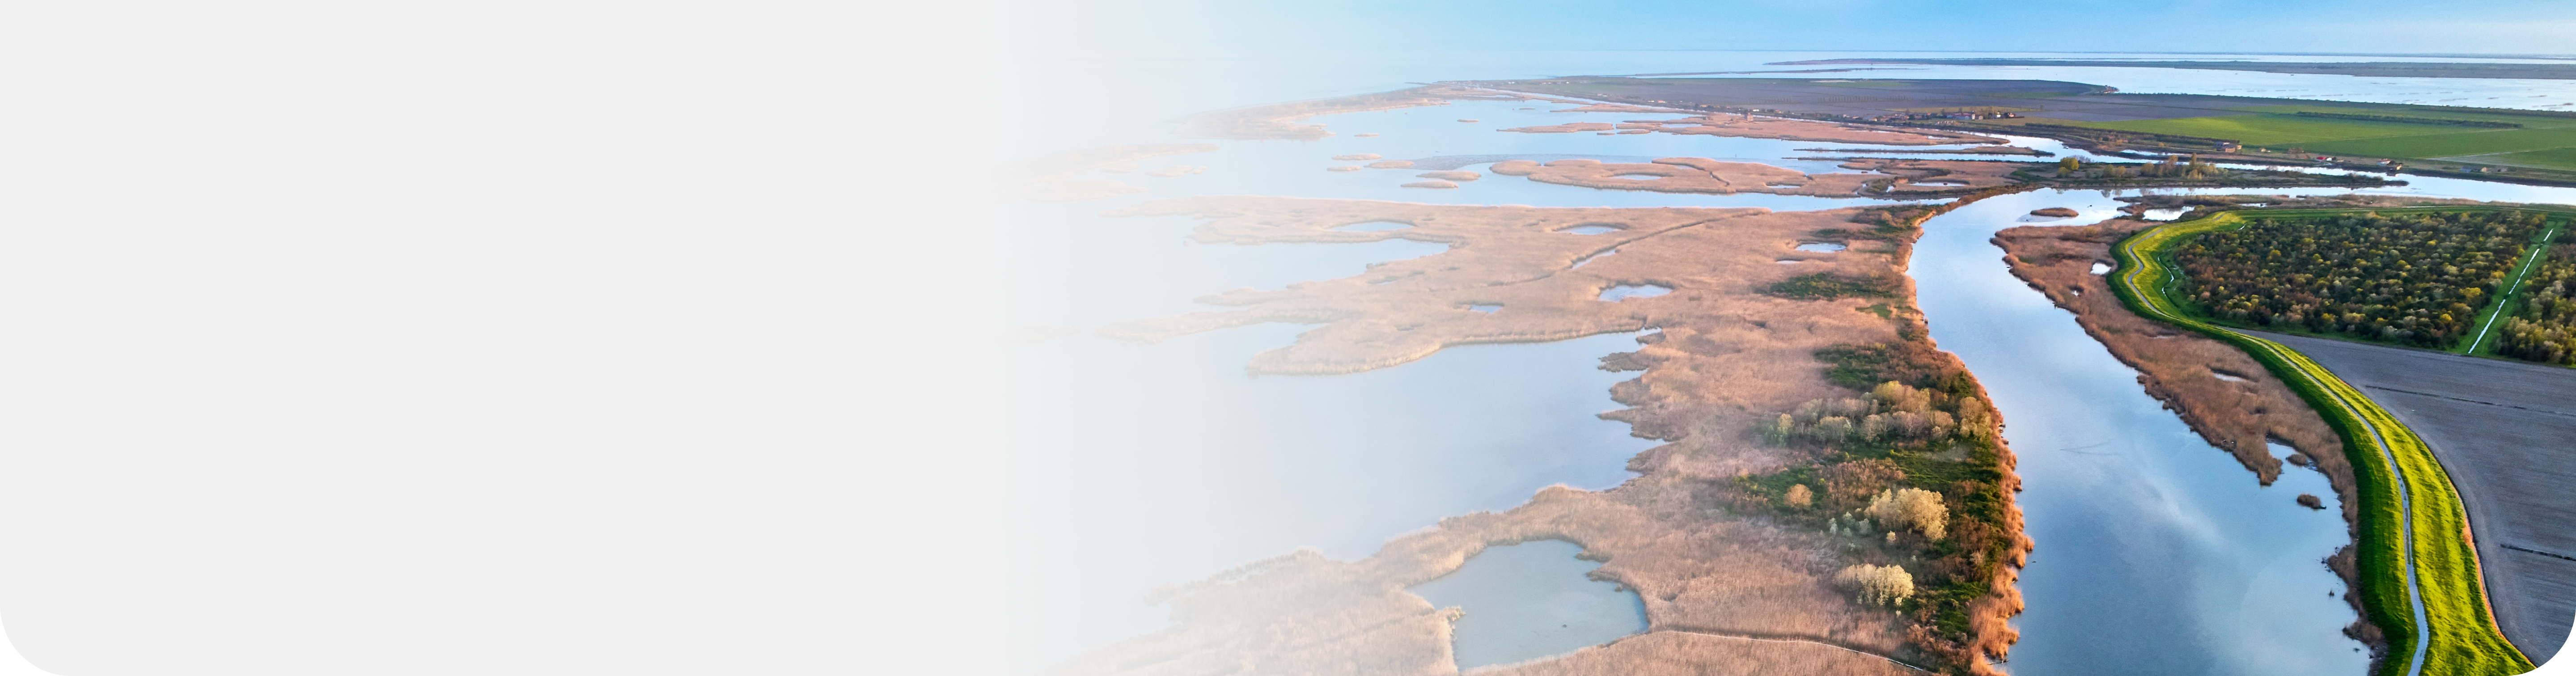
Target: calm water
x,y
1146,465
2157,553
1532,600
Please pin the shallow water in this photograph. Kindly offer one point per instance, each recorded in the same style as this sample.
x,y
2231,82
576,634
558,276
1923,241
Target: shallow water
x,y
1529,601
1821,246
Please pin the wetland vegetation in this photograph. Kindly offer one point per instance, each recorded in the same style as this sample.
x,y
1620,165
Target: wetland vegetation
x,y
1906,474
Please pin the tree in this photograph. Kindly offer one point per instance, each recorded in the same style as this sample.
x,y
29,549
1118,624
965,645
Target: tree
x,y
2069,165
1800,497
1877,585
1911,508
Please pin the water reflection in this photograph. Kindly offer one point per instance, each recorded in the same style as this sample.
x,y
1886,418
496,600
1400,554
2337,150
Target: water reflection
x,y
2157,553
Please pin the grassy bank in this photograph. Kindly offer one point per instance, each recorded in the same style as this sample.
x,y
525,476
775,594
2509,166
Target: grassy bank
x,y
2419,573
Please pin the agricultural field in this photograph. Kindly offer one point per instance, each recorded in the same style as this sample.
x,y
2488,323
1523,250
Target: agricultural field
x,y
2441,133
2259,130
2500,428
2563,159
2414,279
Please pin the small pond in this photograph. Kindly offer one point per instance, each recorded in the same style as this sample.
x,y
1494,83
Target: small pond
x,y
1590,230
1820,246
1529,601
1626,291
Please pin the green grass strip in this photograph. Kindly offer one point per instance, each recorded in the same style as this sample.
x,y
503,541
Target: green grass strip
x,y
2419,573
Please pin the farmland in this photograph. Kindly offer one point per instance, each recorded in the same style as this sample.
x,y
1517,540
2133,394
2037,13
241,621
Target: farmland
x,y
2500,429
2270,129
2545,141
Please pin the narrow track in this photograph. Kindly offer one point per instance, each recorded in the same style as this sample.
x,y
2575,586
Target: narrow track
x,y
2509,289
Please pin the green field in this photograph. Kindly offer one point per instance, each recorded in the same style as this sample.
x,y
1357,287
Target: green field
x,y
2554,158
2411,519
2261,129
2544,142
2452,144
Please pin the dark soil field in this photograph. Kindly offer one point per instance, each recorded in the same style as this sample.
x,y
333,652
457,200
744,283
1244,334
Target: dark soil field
x,y
2506,432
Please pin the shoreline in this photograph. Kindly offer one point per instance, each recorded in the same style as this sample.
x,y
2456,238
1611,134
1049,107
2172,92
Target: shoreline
x,y
1638,527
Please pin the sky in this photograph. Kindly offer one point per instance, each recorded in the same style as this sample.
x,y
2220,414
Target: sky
x,y
2346,26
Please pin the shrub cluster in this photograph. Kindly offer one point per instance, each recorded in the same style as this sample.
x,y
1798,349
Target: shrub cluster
x,y
1877,585
1890,412
1907,476
2411,279
1911,508
2542,327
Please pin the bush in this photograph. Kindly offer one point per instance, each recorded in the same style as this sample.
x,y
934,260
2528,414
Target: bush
x,y
1911,508
1877,585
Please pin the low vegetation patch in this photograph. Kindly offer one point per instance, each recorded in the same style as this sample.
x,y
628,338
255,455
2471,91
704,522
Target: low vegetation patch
x,y
2412,279
1829,286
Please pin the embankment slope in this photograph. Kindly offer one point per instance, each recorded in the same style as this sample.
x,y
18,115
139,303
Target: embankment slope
x,y
2507,433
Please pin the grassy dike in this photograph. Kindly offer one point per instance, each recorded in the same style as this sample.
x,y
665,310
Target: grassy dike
x,y
2419,573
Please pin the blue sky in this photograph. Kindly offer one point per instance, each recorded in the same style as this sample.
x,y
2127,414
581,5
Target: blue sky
x,y
2343,26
